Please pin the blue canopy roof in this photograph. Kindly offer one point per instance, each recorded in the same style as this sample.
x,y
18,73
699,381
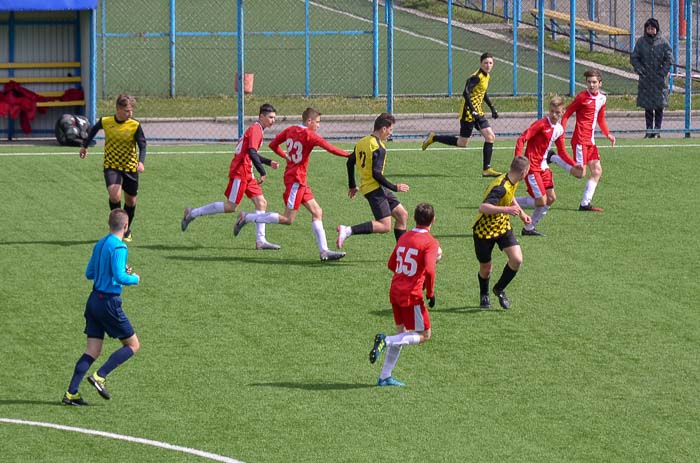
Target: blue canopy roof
x,y
47,5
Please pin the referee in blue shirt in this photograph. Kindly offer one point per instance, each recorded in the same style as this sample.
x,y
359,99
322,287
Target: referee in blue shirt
x,y
103,311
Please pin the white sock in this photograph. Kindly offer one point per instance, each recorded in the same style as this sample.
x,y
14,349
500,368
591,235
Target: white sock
x,y
537,215
406,338
260,228
209,209
262,217
561,163
526,201
390,359
320,234
588,192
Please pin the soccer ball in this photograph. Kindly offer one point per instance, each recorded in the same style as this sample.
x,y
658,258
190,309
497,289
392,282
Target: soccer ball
x,y
71,130
439,256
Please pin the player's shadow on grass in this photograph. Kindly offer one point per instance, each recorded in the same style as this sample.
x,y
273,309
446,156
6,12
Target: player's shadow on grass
x,y
316,386
64,243
426,175
271,261
30,402
467,309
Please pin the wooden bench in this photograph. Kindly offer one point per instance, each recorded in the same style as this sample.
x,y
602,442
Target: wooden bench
x,y
591,26
46,80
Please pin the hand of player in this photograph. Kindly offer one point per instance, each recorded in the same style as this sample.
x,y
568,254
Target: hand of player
x,y
527,220
129,270
261,180
352,192
140,167
512,210
401,187
611,137
274,164
139,278
431,301
475,114
494,113
83,152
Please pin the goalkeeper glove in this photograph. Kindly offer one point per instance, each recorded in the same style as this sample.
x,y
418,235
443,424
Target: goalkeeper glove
x,y
494,113
431,302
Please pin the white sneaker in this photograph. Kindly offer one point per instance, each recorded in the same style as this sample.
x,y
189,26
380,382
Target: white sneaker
x,y
260,245
332,255
186,219
343,234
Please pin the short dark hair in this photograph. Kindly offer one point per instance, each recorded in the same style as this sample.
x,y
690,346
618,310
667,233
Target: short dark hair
x,y
309,113
593,73
384,120
520,163
124,100
267,108
117,219
485,55
424,214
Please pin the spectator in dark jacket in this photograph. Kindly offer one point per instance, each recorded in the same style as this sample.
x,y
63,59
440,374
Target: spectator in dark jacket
x,y
652,60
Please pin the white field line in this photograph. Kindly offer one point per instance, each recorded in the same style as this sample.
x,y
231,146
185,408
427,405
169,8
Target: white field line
x,y
392,150
137,440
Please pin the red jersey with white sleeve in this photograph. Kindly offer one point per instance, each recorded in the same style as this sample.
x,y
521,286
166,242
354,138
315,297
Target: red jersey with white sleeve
x,y
589,109
540,137
300,141
413,263
241,164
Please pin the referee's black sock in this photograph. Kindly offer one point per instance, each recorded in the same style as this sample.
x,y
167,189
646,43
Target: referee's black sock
x,y
506,278
488,153
130,212
398,233
362,229
113,206
483,285
446,139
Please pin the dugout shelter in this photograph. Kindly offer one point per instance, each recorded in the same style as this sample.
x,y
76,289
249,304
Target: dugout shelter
x,y
47,64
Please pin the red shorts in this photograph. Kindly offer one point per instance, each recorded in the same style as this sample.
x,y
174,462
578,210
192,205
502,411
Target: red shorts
x,y
413,318
538,183
296,194
585,153
238,186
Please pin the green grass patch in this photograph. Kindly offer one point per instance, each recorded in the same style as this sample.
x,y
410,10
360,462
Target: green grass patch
x,y
262,356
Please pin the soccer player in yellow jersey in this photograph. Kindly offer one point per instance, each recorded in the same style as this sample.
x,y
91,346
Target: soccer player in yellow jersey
x,y
121,165
472,116
369,156
492,226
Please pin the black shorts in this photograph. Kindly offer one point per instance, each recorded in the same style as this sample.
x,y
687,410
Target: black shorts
x,y
382,202
484,247
128,180
466,128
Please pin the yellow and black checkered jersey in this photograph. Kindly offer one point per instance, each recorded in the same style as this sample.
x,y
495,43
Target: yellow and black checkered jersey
x,y
499,193
475,88
369,156
121,139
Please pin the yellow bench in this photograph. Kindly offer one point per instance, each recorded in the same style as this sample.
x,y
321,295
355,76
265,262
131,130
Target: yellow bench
x,y
46,80
591,26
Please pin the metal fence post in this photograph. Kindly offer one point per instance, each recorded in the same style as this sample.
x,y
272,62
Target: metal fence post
x,y
540,57
572,49
241,33
389,5
688,64
172,48
449,48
